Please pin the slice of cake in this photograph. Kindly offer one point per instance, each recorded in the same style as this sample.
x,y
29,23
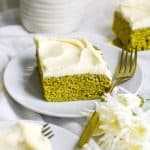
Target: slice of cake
x,y
24,135
132,24
71,69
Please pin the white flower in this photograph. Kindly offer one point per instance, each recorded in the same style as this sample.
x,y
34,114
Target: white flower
x,y
123,123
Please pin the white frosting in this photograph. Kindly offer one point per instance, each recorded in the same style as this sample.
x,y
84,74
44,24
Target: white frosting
x,y
123,123
136,12
23,136
60,57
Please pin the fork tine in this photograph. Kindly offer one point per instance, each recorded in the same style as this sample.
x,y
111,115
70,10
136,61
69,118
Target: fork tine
x,y
50,136
122,61
126,61
131,58
118,66
134,62
45,125
46,131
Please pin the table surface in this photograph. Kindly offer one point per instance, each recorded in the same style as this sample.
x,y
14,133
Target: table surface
x,y
98,20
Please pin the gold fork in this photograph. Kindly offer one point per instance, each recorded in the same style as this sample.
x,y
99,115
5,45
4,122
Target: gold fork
x,y
124,71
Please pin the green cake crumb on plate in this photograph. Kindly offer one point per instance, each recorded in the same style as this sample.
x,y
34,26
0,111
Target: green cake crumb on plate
x,y
71,70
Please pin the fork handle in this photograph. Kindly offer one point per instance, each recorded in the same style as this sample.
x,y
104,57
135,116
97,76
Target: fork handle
x,y
89,130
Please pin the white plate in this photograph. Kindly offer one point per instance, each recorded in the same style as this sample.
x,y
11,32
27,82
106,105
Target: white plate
x,y
63,139
23,85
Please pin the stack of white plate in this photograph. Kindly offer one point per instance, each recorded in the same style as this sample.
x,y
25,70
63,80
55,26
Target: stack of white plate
x,y
52,16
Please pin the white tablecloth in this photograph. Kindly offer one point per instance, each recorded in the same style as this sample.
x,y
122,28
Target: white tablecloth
x,y
13,39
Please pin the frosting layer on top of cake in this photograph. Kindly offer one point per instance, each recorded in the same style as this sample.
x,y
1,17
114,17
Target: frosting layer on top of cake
x,y
136,12
60,57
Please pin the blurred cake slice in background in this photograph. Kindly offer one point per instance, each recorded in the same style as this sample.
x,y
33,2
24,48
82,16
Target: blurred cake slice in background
x,y
71,69
24,136
132,24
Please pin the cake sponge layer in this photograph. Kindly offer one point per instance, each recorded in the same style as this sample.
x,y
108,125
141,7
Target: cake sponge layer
x,y
76,87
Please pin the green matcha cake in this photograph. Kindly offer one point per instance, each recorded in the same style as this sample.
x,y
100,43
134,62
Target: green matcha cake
x,y
71,69
132,24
